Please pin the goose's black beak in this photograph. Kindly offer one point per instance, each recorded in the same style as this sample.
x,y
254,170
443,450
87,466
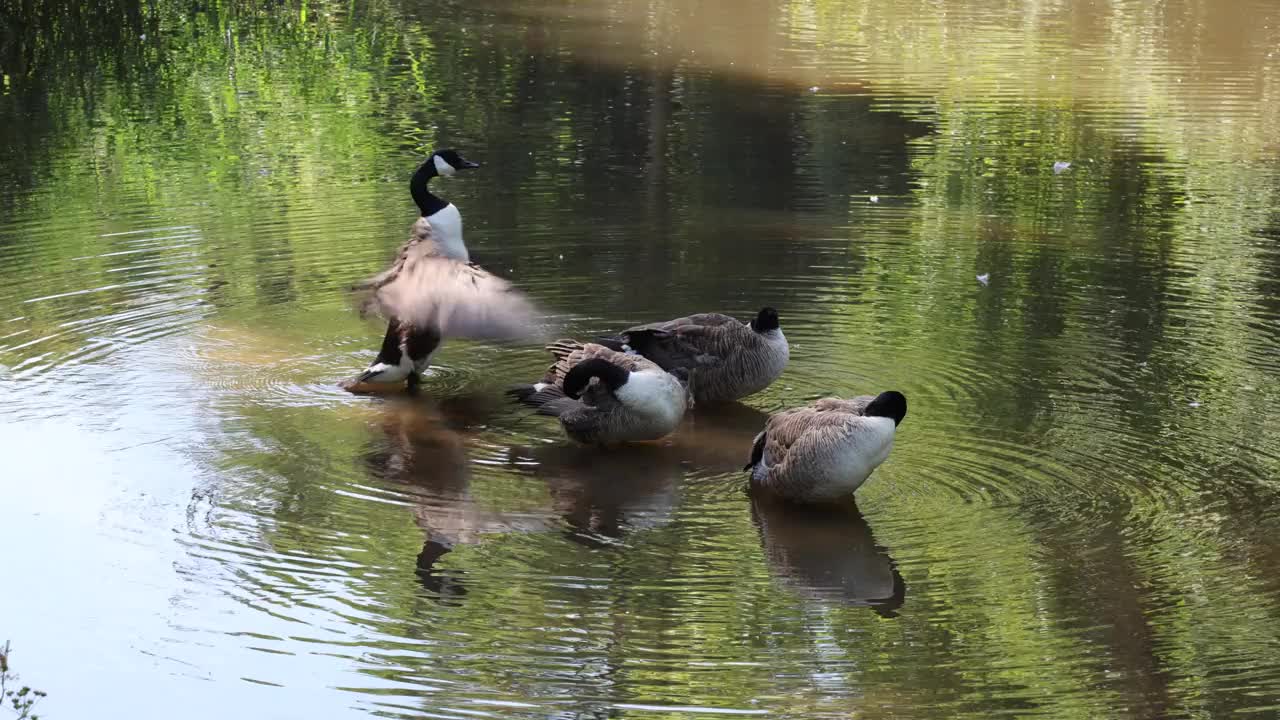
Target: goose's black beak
x,y
468,165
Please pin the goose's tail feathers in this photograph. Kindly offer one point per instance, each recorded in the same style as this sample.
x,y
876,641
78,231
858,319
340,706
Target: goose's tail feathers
x,y
545,399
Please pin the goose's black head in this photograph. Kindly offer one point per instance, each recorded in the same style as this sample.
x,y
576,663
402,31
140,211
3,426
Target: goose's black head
x,y
443,163
765,320
890,404
448,162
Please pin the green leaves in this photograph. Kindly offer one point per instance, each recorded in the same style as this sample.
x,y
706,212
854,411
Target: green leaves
x,y
19,701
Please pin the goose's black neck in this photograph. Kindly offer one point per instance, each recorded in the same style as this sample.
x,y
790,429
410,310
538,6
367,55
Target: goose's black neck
x,y
428,204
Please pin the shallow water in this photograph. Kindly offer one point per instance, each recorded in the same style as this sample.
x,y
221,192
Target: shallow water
x,y
1080,516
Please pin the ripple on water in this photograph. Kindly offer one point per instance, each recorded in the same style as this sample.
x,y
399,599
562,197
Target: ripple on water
x,y
138,288
1078,518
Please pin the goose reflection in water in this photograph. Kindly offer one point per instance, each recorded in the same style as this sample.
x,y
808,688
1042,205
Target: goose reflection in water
x,y
596,497
601,495
425,447
828,553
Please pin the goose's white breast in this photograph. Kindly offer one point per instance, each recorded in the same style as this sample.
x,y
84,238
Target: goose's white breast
x,y
868,446
446,227
653,393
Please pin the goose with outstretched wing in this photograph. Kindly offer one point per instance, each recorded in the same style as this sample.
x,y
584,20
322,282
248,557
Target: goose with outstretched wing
x,y
432,291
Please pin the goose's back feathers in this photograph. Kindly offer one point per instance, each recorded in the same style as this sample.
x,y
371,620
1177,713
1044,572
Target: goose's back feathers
x,y
695,320
717,356
427,287
822,422
851,406
568,353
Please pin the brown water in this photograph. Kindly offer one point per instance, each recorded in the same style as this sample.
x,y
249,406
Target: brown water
x,y
1079,519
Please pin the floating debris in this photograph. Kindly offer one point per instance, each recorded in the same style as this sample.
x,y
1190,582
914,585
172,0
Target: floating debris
x,y
984,277
1194,403
813,89
874,198
1060,167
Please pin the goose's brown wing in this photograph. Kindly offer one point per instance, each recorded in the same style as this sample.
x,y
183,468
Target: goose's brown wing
x,y
681,349
853,406
812,427
569,353
697,319
816,425
794,437
425,289
420,246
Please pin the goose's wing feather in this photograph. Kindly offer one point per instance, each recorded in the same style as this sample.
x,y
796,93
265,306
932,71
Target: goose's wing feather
x,y
697,319
853,406
550,400
683,344
425,289
757,449
568,353
683,348
420,246
812,427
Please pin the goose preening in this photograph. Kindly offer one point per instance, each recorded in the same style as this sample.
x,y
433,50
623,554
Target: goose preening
x,y
433,291
603,396
717,356
827,449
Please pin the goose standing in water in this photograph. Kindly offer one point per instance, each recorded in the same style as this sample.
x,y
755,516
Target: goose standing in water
x,y
603,397
718,357
827,449
432,291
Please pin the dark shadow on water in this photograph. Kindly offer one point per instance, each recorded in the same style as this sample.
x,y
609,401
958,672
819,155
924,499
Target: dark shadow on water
x,y
828,553
718,438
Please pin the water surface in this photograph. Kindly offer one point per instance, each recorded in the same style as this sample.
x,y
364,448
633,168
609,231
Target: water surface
x,y
1079,519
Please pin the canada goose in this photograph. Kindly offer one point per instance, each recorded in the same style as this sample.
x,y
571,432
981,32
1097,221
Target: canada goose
x,y
717,356
826,449
432,291
603,397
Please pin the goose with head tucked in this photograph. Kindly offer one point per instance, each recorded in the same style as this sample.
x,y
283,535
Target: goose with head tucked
x,y
432,290
718,357
827,449
605,397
